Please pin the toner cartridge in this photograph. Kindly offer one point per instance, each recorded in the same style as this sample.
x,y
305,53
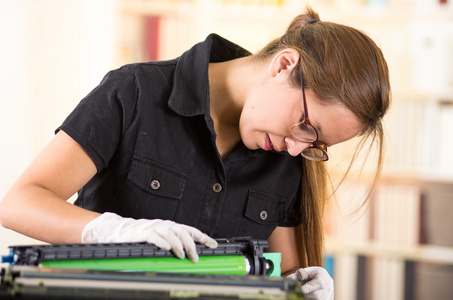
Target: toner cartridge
x,y
238,256
237,269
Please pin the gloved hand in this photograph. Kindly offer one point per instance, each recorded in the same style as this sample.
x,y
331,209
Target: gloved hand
x,y
168,235
316,282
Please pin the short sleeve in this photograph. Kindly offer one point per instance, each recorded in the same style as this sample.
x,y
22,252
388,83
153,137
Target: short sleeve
x,y
100,119
293,213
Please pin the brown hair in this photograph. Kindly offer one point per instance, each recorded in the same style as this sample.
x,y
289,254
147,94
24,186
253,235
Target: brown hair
x,y
339,64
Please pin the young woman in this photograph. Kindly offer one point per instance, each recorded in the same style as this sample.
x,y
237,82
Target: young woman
x,y
217,143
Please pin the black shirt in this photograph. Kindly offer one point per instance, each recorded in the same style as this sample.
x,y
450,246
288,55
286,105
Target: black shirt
x,y
148,129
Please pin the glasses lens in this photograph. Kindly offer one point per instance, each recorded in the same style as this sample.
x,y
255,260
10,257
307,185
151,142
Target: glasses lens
x,y
305,133
314,153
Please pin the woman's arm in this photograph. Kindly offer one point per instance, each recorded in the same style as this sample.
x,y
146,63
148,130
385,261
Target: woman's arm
x,y
36,203
316,281
283,240
36,206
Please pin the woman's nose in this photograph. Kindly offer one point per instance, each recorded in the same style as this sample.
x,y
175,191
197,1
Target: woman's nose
x,y
295,147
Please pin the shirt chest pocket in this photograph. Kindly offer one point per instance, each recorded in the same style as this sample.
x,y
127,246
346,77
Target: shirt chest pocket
x,y
263,213
157,179
265,209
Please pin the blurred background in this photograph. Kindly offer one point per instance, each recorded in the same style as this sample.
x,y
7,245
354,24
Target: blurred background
x,y
399,246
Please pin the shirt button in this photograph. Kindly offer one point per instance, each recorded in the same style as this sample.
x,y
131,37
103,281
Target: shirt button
x,y
263,215
217,187
155,184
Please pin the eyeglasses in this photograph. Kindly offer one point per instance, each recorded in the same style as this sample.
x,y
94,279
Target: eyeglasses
x,y
305,132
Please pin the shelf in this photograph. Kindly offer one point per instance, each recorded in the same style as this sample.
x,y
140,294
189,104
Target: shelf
x,y
394,14
335,11
410,94
420,253
417,176
397,176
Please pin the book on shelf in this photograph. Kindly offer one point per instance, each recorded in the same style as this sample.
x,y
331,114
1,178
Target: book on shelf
x,y
151,38
387,278
431,45
445,142
436,219
428,281
396,212
419,137
346,276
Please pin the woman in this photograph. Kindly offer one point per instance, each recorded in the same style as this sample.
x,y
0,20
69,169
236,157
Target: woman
x,y
211,140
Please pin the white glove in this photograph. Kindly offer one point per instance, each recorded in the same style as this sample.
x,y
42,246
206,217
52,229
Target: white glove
x,y
318,282
168,235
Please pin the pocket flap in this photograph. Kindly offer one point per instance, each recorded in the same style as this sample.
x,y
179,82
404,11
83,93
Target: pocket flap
x,y
157,179
264,208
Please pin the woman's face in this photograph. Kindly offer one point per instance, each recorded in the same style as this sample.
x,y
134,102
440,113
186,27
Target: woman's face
x,y
275,106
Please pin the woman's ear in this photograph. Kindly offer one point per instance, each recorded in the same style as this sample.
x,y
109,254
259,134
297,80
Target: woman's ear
x,y
285,60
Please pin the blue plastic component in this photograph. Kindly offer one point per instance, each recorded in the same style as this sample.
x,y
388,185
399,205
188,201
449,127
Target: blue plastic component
x,y
9,259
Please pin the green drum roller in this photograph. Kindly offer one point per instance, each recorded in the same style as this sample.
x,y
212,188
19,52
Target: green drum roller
x,y
238,256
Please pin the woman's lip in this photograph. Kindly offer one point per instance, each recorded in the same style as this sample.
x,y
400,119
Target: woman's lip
x,y
268,144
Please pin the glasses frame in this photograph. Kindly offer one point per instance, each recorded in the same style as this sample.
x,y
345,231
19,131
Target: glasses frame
x,y
315,144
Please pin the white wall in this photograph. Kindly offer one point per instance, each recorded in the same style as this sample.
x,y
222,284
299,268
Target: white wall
x,y
52,53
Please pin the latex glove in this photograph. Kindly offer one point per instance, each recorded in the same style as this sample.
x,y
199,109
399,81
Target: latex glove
x,y
168,235
316,282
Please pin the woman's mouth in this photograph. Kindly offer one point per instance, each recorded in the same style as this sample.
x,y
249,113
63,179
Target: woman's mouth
x,y
268,146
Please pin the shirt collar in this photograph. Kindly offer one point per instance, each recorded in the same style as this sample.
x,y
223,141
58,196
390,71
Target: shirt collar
x,y
190,92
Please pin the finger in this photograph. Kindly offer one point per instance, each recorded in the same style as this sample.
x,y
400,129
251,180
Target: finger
x,y
293,276
201,237
312,287
175,243
317,281
188,244
317,273
156,239
303,274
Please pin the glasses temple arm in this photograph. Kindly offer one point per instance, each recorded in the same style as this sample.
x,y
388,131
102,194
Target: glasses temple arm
x,y
303,92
